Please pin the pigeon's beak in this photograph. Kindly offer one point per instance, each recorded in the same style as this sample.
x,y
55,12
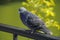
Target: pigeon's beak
x,y
19,11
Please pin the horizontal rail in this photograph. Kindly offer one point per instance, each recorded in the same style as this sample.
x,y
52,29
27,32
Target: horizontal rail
x,y
26,33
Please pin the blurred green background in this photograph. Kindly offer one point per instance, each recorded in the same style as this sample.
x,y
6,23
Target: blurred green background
x,y
9,15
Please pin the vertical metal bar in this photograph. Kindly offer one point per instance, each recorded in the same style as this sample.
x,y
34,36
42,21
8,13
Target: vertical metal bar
x,y
14,36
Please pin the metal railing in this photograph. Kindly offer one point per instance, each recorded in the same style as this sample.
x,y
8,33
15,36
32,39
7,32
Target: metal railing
x,y
26,33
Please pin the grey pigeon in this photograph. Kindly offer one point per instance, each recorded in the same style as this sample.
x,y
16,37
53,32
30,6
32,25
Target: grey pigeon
x,y
32,21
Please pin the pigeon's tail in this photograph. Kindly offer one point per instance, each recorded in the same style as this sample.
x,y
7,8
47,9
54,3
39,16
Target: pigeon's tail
x,y
46,31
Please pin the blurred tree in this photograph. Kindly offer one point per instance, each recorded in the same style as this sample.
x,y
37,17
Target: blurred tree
x,y
4,1
44,9
7,1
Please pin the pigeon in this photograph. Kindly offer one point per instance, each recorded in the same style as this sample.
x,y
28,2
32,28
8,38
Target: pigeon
x,y
32,21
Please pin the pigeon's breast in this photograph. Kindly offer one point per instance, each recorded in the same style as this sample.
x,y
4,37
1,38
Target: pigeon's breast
x,y
23,17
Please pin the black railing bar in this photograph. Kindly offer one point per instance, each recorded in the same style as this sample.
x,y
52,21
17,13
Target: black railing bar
x,y
23,32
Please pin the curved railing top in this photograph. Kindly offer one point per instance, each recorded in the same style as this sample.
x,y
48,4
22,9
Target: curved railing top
x,y
25,33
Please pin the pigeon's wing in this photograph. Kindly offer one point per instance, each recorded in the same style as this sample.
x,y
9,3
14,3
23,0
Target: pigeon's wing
x,y
34,20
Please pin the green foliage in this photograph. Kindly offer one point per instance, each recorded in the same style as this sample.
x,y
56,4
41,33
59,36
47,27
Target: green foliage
x,y
44,9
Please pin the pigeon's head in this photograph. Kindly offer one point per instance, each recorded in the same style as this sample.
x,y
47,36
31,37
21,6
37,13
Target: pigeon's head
x,y
22,10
